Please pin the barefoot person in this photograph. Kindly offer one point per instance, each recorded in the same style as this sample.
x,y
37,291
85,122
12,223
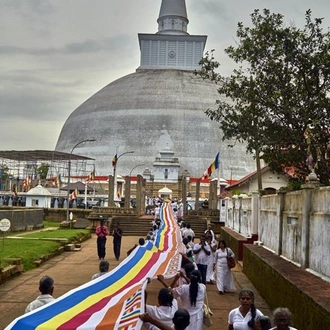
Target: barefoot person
x,y
117,234
101,231
225,280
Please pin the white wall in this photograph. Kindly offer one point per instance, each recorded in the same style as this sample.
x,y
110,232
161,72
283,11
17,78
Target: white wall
x,y
295,225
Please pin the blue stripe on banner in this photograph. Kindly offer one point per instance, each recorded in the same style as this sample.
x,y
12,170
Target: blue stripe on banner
x,y
78,296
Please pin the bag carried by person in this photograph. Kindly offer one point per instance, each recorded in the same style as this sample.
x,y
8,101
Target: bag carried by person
x,y
230,261
207,313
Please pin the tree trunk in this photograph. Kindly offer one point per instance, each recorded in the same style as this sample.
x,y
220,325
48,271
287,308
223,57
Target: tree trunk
x,y
258,170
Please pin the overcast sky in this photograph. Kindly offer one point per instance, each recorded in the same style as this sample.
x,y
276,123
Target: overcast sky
x,y
54,54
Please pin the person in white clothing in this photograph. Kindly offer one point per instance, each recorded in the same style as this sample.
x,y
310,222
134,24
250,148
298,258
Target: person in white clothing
x,y
181,320
202,252
225,280
103,267
157,212
188,232
282,319
209,232
245,316
192,298
183,228
210,269
165,309
179,213
46,288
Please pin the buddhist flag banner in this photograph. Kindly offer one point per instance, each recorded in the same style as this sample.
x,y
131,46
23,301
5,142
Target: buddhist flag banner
x,y
115,300
214,166
114,160
57,180
73,195
91,176
27,181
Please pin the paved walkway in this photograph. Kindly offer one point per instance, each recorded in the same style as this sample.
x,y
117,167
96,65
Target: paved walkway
x,y
71,269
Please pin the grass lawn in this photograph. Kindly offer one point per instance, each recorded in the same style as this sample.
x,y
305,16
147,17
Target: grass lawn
x,y
31,246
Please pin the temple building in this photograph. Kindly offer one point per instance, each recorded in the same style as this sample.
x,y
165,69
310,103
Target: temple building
x,y
161,105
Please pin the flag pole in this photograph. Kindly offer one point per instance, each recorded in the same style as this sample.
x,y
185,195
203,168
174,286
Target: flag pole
x,y
219,175
86,193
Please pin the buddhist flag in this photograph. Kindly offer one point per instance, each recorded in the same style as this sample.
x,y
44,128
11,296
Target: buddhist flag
x,y
91,176
214,166
118,193
27,181
114,160
57,180
73,195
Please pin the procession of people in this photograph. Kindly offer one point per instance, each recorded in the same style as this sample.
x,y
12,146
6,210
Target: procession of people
x,y
181,302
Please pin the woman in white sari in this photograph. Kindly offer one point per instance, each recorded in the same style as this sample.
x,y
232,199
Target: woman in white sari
x,y
225,281
210,269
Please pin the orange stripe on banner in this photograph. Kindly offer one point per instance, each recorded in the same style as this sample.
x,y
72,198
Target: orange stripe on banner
x,y
113,314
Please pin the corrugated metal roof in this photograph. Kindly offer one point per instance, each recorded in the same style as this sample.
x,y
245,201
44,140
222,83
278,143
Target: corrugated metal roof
x,y
39,155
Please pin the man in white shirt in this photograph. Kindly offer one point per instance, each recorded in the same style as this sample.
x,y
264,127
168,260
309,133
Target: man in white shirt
x,y
46,287
189,232
157,212
104,269
202,253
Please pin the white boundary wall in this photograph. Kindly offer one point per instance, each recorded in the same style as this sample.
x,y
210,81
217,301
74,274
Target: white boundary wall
x,y
294,225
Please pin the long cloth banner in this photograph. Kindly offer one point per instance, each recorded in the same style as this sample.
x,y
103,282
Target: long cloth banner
x,y
115,300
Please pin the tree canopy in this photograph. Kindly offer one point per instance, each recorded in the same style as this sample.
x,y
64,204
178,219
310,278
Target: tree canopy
x,y
277,98
43,170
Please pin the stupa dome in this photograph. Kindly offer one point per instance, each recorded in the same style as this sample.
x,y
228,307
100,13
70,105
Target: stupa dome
x,y
161,105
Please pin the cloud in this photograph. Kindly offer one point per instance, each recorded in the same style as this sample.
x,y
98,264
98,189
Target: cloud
x,y
56,54
82,47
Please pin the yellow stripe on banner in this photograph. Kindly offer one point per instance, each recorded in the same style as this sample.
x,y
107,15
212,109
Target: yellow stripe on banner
x,y
166,227
64,317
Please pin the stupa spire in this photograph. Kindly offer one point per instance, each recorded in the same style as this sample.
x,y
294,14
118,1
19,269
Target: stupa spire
x,y
173,17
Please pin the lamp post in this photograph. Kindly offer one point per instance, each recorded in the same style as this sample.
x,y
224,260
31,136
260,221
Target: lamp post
x,y
69,173
130,173
114,171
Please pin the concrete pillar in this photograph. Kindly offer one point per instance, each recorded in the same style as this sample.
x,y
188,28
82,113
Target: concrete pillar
x,y
143,194
223,211
240,213
111,196
127,192
226,200
254,213
305,228
198,187
211,195
214,190
139,196
279,215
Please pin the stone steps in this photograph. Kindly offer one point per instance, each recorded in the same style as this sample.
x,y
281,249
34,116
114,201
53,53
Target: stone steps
x,y
133,227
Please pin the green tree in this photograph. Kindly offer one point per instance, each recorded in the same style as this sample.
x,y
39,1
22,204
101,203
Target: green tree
x,y
43,170
277,99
